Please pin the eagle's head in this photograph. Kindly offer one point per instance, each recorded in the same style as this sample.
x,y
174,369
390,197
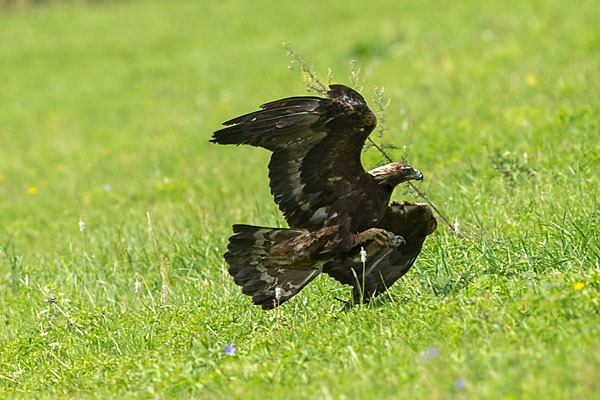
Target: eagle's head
x,y
393,174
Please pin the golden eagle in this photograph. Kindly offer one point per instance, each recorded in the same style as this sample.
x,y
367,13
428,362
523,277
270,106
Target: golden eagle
x,y
332,205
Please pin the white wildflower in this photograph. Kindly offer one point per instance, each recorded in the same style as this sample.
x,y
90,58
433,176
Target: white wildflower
x,y
165,293
456,226
138,286
277,293
81,225
363,255
107,188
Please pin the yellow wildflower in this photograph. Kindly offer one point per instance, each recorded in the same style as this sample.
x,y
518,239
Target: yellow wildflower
x,y
32,190
149,104
578,285
531,80
2,178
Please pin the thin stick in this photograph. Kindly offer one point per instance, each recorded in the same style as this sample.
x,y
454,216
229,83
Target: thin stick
x,y
310,82
163,270
355,77
421,194
53,301
148,289
10,379
116,345
57,359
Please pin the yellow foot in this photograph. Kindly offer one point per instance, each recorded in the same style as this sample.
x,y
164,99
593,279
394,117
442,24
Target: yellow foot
x,y
383,238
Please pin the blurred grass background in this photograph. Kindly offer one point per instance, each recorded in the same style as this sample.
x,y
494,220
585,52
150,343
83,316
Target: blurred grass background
x,y
106,109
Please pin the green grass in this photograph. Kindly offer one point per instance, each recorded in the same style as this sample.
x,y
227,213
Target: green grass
x,y
126,94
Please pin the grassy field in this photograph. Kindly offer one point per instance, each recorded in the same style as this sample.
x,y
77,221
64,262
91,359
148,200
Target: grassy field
x,y
105,114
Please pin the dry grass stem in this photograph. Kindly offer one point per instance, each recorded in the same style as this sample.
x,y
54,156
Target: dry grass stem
x,y
163,269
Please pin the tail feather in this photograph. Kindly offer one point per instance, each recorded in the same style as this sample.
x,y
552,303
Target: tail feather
x,y
270,281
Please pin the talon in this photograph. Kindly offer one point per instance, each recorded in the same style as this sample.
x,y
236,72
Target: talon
x,y
397,241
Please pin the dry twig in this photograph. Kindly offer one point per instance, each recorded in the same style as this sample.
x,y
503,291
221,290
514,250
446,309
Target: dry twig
x,y
52,300
166,285
313,84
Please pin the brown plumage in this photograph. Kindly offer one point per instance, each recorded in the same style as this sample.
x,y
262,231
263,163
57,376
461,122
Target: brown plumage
x,y
332,205
385,265
315,172
264,262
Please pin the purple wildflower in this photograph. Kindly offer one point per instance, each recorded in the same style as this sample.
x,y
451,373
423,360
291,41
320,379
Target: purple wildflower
x,y
230,350
460,384
432,352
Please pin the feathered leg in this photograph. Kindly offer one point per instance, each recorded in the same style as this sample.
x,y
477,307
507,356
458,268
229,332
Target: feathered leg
x,y
374,271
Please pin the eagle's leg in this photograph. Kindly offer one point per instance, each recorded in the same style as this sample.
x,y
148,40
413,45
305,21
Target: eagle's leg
x,y
381,237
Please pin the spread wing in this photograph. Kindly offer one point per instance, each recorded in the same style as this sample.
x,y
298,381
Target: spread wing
x,y
315,171
385,265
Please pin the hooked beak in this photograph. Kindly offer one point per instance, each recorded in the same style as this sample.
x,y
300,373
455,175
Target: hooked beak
x,y
416,175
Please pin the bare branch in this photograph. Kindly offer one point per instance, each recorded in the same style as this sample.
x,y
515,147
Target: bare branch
x,y
52,300
312,83
421,194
